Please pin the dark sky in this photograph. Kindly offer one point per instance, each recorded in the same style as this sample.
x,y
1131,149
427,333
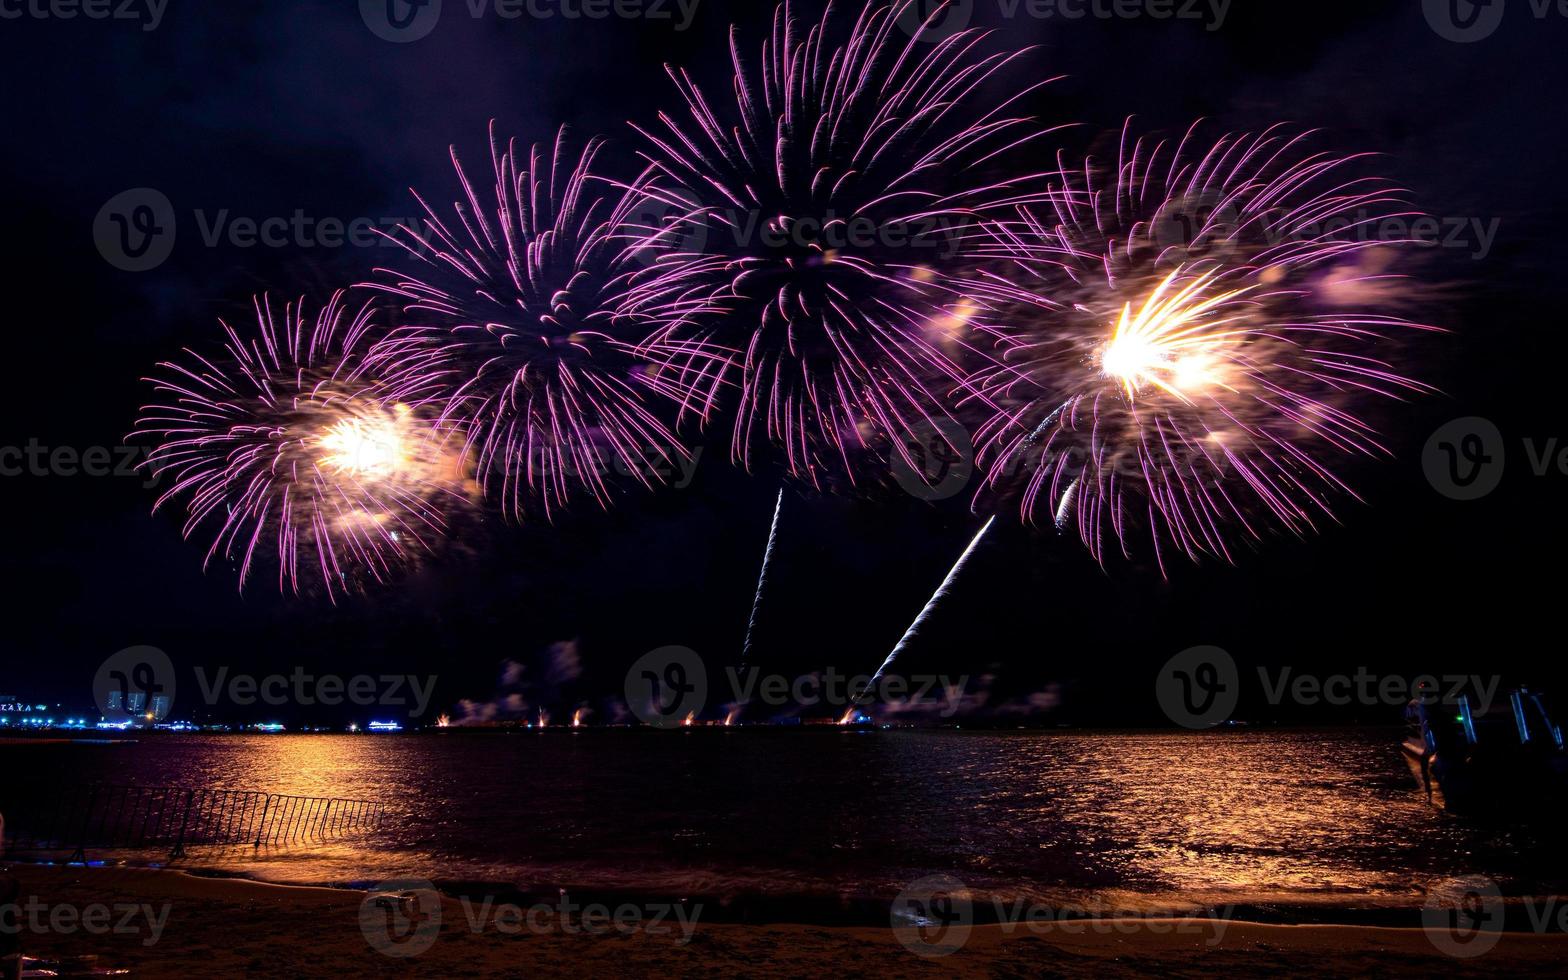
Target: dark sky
x,y
285,106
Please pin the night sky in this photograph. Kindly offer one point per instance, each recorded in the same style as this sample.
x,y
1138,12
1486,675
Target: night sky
x,y
281,107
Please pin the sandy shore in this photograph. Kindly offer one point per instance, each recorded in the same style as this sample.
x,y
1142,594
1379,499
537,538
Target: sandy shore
x,y
166,923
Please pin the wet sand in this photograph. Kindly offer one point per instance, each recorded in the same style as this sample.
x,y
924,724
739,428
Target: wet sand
x,y
227,927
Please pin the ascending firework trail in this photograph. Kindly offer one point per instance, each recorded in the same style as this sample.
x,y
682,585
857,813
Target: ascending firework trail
x,y
920,620
762,579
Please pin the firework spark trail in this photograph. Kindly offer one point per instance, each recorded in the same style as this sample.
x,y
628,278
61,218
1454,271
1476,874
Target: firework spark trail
x,y
762,578
290,436
527,302
930,607
844,173
1186,343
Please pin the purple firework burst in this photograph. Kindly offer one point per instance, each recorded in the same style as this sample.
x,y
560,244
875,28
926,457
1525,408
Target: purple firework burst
x,y
525,300
1188,342
289,449
817,212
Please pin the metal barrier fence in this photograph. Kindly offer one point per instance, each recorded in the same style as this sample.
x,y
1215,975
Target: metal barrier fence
x,y
136,817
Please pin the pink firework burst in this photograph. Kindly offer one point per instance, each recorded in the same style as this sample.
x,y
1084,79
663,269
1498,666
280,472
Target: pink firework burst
x,y
817,210
288,449
1189,342
524,300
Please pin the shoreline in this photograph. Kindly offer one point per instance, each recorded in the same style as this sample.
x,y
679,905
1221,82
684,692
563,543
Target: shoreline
x,y
829,910
223,925
20,737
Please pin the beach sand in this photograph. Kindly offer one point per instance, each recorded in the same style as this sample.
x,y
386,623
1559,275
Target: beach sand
x,y
228,927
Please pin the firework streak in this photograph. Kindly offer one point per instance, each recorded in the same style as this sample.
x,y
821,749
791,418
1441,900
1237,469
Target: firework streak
x,y
762,578
920,620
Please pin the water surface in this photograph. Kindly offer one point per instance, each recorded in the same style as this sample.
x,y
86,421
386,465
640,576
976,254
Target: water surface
x,y
1112,820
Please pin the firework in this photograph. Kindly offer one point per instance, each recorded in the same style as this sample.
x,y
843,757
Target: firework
x,y
762,577
1188,344
289,449
527,299
920,620
815,212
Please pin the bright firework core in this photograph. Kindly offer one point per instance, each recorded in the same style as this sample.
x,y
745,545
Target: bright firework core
x,y
1174,341
375,446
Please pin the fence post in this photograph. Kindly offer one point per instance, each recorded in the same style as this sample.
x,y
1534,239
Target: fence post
x,y
185,820
261,828
80,854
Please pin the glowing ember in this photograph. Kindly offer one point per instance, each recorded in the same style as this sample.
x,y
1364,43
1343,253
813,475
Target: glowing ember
x,y
374,447
1174,341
